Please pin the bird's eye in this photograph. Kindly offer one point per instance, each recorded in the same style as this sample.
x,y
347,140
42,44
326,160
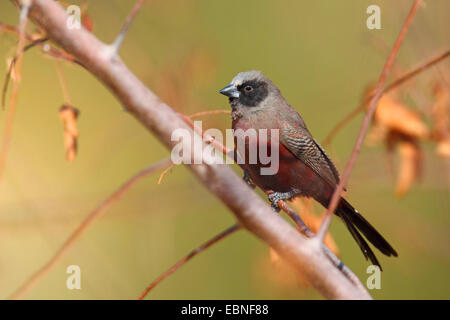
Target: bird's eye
x,y
248,88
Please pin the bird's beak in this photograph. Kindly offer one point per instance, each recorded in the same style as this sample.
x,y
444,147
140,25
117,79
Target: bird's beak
x,y
230,91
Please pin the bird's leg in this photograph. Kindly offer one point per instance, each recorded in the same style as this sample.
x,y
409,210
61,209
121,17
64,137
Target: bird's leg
x,y
274,197
248,179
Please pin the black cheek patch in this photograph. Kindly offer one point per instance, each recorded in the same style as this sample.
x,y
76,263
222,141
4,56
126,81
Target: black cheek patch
x,y
257,95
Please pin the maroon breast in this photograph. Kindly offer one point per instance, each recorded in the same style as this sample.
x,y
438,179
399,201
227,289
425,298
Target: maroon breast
x,y
292,174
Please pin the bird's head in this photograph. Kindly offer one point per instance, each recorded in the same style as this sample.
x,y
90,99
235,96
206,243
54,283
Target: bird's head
x,y
248,89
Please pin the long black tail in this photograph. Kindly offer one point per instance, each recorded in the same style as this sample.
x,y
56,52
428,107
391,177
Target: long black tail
x,y
352,219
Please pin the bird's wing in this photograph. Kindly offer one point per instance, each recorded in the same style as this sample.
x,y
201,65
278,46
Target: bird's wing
x,y
299,141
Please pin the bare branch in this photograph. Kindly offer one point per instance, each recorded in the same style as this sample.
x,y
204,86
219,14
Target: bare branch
x,y
366,122
251,211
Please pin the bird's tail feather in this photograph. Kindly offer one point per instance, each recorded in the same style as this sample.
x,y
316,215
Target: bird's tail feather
x,y
364,246
354,220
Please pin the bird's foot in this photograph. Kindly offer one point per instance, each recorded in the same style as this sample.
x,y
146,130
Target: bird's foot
x,y
248,180
274,197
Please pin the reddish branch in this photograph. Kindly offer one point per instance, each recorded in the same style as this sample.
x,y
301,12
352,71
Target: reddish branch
x,y
118,42
250,210
366,121
204,113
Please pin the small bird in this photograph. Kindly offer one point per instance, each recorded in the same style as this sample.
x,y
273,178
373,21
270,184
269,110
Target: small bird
x,y
304,168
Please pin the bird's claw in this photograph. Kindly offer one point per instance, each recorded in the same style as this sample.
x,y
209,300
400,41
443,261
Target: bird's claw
x,y
248,180
274,198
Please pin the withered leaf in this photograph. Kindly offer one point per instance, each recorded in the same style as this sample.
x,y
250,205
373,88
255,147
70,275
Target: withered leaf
x,y
68,115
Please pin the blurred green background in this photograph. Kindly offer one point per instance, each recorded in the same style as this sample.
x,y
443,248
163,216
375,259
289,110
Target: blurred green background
x,y
319,53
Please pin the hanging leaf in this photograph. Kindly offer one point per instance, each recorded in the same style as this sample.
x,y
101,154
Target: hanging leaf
x,y
68,115
401,129
441,119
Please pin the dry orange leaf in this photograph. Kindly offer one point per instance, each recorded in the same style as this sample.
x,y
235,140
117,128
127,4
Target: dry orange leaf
x,y
68,115
441,119
398,117
443,148
410,168
401,129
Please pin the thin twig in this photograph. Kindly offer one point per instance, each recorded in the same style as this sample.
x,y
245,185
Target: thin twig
x,y
14,30
211,139
32,281
205,113
388,88
63,83
47,49
15,90
193,116
115,46
208,138
191,255
163,174
55,53
11,67
366,122
416,71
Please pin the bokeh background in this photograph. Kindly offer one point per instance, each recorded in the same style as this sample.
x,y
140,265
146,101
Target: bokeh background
x,y
322,56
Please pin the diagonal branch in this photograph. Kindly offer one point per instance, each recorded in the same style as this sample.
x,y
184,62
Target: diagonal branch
x,y
366,122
